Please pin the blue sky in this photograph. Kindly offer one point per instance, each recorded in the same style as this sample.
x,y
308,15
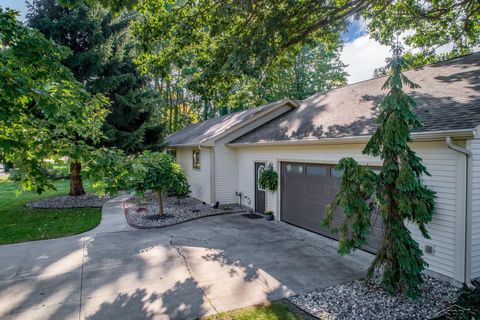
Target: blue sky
x,y
356,29
361,53
19,5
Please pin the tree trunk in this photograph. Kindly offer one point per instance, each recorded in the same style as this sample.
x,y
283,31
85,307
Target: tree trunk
x,y
160,202
76,183
175,115
169,102
205,110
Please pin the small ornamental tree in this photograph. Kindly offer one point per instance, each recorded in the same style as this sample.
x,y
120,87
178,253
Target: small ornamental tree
x,y
159,172
397,191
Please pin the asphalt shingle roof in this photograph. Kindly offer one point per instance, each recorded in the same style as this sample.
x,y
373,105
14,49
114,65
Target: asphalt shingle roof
x,y
199,133
449,99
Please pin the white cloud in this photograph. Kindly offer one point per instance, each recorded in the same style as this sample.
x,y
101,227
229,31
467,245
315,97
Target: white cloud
x,y
363,55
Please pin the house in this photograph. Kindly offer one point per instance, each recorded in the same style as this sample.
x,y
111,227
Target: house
x,y
303,140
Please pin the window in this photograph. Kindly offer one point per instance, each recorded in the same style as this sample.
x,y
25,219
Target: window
x,y
336,173
259,173
295,168
196,158
172,152
321,171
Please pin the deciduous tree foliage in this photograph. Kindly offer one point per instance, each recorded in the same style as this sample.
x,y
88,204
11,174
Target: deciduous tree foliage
x,y
228,41
397,191
297,74
45,113
428,24
201,76
161,173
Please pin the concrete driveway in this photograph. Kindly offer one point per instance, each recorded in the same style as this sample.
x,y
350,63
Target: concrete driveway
x,y
181,272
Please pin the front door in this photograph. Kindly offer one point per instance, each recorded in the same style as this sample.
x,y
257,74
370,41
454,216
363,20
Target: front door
x,y
259,192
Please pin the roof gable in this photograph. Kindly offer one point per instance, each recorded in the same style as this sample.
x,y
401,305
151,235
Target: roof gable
x,y
206,132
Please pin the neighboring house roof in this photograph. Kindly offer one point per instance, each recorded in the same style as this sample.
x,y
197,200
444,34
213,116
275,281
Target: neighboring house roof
x,y
449,99
206,132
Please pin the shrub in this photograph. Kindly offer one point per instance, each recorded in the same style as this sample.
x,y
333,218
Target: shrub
x,y
161,173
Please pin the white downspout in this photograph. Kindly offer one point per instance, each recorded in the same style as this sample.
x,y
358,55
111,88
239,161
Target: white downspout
x,y
468,210
212,175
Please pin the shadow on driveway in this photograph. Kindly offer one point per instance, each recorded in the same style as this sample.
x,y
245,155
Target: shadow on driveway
x,y
197,268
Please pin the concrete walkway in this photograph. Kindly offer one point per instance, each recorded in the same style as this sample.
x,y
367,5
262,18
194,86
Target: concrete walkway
x,y
182,272
113,217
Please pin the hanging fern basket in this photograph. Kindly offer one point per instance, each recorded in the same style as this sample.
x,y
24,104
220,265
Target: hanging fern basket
x,y
268,179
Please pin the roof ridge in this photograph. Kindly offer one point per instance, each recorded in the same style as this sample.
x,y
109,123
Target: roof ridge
x,y
384,76
448,100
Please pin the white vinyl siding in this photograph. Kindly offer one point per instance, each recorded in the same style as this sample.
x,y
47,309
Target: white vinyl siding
x,y
199,179
226,164
440,161
475,239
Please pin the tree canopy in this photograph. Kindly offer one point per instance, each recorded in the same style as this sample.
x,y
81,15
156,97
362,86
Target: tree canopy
x,y
224,41
45,112
103,51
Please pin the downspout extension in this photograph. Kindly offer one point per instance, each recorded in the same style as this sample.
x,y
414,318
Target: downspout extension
x,y
468,209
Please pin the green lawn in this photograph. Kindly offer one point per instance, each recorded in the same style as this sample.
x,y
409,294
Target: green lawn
x,y
277,310
18,224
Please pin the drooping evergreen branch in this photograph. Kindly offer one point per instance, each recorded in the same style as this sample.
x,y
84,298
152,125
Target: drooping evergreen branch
x,y
398,191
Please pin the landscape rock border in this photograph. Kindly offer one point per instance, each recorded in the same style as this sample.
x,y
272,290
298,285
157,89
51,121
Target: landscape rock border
x,y
354,300
89,200
176,214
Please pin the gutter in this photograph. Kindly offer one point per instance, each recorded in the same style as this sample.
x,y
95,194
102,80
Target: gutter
x,y
468,210
417,136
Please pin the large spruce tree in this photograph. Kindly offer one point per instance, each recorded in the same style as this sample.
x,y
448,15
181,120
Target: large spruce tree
x,y
103,53
397,191
102,58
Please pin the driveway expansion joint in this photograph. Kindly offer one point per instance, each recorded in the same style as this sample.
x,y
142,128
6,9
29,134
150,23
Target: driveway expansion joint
x,y
81,280
185,262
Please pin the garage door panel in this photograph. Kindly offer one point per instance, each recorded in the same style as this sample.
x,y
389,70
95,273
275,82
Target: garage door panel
x,y
314,190
309,218
306,191
293,205
310,223
296,192
331,192
297,196
316,206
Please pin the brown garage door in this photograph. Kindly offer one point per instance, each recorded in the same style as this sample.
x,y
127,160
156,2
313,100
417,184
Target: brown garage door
x,y
306,189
